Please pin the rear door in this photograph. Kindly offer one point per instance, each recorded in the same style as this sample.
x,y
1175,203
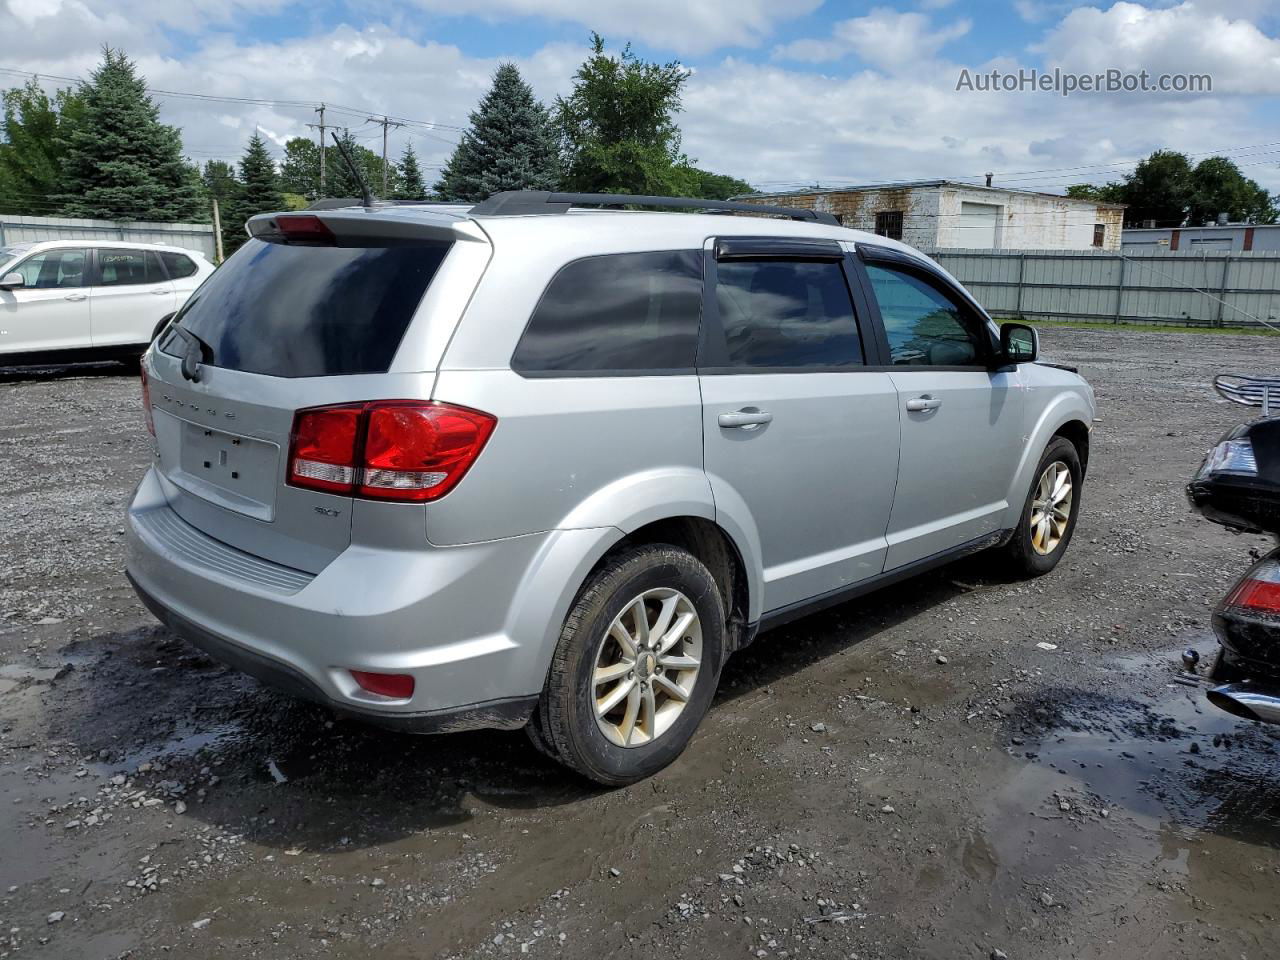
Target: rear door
x,y
796,428
962,418
283,327
131,294
50,311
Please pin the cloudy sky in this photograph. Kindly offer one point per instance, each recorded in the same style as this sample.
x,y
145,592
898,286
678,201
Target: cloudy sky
x,y
782,92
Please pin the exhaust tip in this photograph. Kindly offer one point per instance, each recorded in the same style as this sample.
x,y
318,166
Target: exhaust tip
x,y
1247,701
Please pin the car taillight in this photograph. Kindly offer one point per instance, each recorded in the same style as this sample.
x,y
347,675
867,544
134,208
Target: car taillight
x,y
386,449
1258,590
146,403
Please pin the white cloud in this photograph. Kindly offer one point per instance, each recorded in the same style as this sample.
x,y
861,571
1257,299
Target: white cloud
x,y
885,38
1192,37
684,26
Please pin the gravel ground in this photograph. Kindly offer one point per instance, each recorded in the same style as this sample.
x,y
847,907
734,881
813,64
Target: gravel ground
x,y
904,776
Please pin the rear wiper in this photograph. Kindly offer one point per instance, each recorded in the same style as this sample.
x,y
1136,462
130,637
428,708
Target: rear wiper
x,y
194,354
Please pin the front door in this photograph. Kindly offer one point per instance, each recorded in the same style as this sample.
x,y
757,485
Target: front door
x,y
131,295
799,436
50,311
962,420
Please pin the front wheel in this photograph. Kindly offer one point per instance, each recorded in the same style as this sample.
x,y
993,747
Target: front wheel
x,y
636,666
1050,511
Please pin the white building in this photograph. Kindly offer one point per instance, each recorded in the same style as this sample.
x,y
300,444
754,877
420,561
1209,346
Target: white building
x,y
943,213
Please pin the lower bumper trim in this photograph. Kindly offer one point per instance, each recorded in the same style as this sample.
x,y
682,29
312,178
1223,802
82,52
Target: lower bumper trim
x,y
506,714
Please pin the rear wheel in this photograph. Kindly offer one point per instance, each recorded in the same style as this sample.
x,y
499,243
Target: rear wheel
x,y
636,666
1050,511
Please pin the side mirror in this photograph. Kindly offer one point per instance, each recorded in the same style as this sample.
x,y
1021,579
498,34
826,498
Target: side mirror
x,y
1019,343
11,280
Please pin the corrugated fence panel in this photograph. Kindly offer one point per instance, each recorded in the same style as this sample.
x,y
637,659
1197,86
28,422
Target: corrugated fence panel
x,y
1186,287
189,236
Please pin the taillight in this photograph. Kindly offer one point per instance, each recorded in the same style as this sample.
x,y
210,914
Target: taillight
x,y
146,403
386,449
1259,589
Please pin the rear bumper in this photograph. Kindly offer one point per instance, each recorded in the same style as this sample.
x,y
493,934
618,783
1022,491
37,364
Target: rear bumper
x,y
473,624
507,714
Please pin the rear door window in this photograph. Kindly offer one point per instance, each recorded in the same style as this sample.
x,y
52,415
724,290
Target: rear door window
x,y
626,313
309,311
787,314
118,268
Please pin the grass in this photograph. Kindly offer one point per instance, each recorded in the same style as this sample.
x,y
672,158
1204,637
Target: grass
x,y
1151,327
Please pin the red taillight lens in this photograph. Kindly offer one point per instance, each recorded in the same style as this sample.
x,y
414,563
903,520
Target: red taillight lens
x,y
396,685
304,229
387,449
323,451
146,403
1259,590
419,451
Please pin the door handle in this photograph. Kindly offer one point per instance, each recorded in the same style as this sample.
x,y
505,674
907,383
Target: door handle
x,y
921,404
157,292
76,296
745,418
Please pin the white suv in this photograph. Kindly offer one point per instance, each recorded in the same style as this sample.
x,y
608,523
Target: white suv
x,y
68,300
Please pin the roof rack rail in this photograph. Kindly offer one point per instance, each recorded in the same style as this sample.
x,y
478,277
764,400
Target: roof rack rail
x,y
337,203
513,203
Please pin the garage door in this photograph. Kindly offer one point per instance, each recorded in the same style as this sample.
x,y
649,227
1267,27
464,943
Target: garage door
x,y
978,222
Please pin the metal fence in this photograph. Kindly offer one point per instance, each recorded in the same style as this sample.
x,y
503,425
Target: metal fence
x,y
190,236
1189,289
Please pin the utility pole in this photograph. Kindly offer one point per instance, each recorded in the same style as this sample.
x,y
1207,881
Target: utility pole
x,y
321,128
386,122
217,230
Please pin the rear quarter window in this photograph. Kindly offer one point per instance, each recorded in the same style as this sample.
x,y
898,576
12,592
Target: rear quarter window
x,y
177,265
626,313
310,311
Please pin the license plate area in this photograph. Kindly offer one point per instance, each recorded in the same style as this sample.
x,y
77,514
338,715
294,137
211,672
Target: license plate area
x,y
233,471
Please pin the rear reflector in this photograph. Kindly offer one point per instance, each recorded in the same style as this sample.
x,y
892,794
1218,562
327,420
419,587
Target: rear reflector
x,y
386,449
398,686
1258,590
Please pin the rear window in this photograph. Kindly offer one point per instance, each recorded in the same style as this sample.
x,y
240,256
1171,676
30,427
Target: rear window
x,y
626,313
309,311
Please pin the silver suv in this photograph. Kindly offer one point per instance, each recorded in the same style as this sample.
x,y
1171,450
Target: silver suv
x,y
533,465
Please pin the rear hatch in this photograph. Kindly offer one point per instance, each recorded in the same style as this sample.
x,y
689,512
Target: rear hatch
x,y
341,307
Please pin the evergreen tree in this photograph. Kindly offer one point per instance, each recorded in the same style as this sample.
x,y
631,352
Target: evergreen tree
x,y
258,192
32,150
218,181
510,144
121,162
411,186
618,129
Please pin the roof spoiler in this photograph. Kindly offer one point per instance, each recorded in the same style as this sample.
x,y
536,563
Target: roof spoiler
x,y
514,203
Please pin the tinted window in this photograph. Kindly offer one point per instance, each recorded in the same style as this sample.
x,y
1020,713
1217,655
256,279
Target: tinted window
x,y
122,267
627,311
925,326
309,311
177,265
787,314
53,268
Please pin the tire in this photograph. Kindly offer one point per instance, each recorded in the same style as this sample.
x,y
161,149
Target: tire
x,y
646,579
1026,551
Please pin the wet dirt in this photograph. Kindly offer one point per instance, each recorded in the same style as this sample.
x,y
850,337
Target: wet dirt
x,y
847,796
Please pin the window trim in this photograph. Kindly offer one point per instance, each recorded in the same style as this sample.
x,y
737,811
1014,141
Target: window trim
x,y
691,370
713,357
972,310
